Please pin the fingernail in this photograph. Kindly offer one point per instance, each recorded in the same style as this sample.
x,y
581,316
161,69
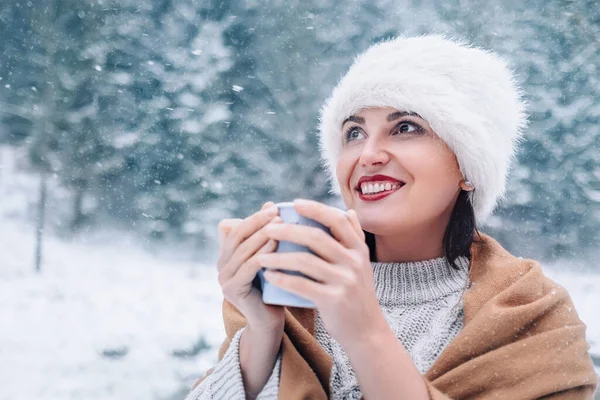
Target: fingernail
x,y
300,202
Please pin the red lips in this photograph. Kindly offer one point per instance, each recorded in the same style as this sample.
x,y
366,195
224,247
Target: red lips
x,y
377,178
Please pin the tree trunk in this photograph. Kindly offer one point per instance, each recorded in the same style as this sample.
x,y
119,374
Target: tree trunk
x,y
78,217
40,223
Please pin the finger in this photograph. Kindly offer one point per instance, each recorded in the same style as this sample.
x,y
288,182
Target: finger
x,y
227,225
356,224
245,250
335,219
253,223
298,285
306,263
225,228
247,272
245,228
315,239
267,205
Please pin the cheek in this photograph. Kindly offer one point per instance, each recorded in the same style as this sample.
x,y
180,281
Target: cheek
x,y
344,170
436,175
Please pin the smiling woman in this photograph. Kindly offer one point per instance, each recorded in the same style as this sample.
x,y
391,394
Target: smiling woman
x,y
427,185
411,300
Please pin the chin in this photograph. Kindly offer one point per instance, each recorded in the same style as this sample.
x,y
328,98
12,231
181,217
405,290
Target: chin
x,y
379,225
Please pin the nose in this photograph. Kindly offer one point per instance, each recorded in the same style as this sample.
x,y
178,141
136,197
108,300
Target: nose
x,y
373,152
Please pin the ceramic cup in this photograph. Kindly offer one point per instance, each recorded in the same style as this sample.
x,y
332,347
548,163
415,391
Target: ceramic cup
x,y
272,294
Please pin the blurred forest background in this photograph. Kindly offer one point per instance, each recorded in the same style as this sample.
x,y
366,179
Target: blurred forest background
x,y
161,117
136,125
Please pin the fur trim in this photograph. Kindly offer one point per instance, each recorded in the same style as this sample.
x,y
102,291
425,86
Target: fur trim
x,y
467,95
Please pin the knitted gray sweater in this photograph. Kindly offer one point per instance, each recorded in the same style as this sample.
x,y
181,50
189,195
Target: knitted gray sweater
x,y
422,303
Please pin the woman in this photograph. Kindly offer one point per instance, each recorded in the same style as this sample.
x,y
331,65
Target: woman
x,y
412,302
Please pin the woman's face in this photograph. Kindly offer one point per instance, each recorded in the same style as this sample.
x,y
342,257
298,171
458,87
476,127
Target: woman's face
x,y
422,177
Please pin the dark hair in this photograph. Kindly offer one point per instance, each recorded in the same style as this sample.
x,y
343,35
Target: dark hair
x,y
459,235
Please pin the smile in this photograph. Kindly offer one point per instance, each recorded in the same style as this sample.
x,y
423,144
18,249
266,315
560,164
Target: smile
x,y
379,193
378,186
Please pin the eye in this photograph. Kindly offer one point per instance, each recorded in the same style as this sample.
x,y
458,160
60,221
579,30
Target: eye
x,y
352,133
407,127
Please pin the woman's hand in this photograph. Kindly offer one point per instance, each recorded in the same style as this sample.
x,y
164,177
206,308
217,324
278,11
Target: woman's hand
x,y
343,290
240,243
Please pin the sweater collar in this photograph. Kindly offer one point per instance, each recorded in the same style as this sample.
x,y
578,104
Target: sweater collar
x,y
420,281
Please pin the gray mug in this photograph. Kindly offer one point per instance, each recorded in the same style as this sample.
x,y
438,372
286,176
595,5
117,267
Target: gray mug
x,y
272,294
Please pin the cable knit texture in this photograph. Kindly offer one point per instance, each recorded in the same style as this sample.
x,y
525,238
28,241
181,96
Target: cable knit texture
x,y
421,301
226,379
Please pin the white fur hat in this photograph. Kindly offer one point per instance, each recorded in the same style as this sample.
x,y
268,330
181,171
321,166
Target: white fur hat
x,y
467,95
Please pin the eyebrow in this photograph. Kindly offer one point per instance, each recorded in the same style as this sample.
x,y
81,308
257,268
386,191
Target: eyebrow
x,y
391,117
399,114
354,118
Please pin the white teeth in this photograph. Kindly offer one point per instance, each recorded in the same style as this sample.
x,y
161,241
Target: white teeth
x,y
371,188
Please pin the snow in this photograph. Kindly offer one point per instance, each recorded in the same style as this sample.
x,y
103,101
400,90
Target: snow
x,y
91,299
584,289
103,318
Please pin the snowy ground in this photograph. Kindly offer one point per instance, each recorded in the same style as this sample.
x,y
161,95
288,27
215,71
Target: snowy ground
x,y
101,323
115,322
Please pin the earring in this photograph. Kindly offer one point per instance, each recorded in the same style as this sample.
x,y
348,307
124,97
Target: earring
x,y
468,183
